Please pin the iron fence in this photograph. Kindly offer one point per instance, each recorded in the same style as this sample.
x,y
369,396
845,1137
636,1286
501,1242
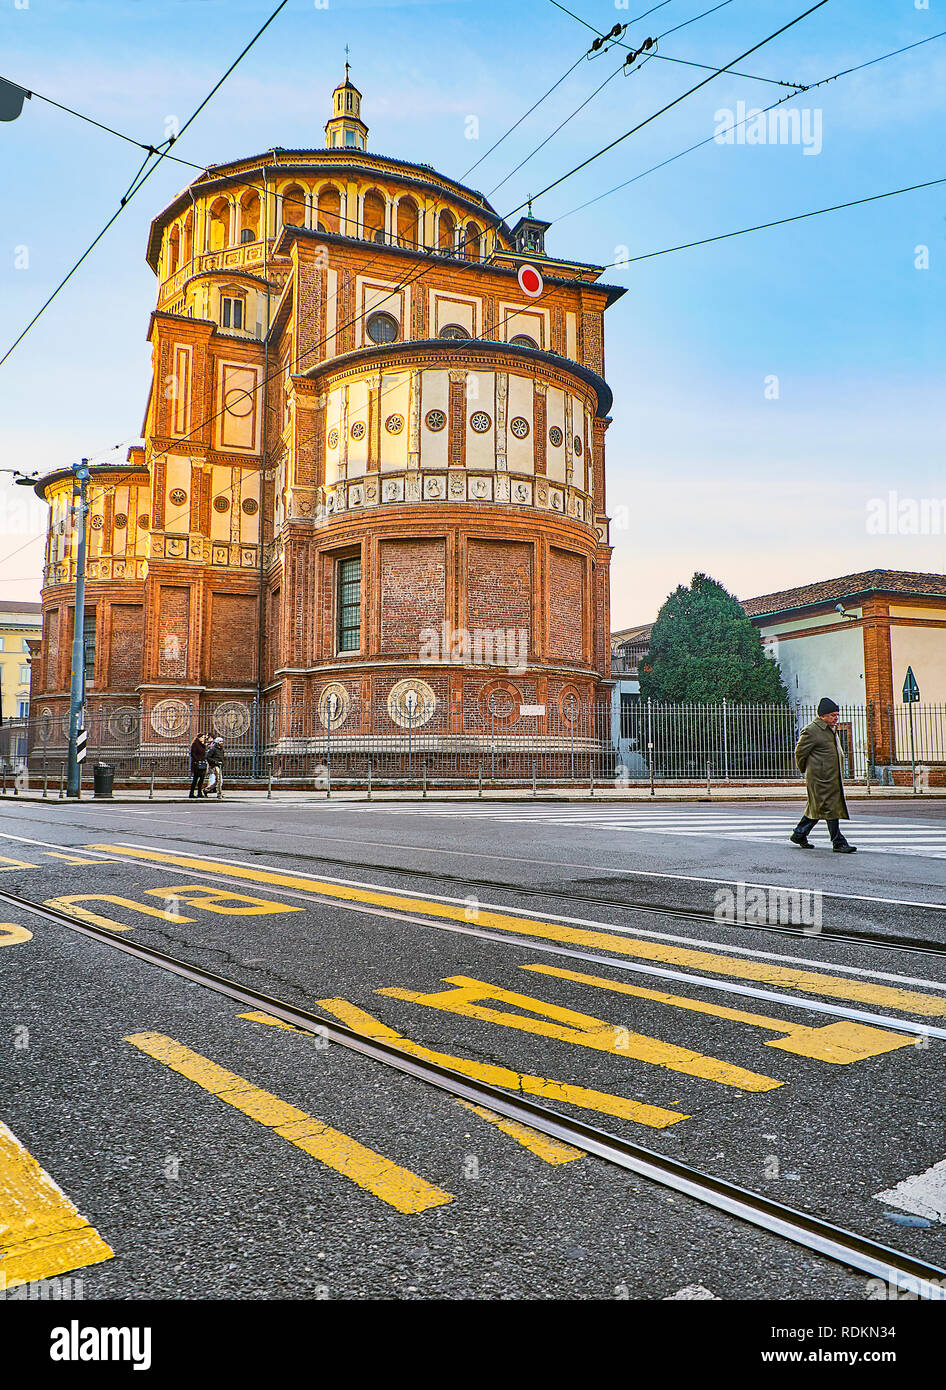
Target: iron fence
x,y
337,742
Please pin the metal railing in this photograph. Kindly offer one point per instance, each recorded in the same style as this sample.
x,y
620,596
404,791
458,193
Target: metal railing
x,y
341,742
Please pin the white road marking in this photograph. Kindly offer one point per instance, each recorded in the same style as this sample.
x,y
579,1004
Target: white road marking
x,y
922,1195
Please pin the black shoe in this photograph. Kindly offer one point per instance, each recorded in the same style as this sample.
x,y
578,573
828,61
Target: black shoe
x,y
801,840
842,847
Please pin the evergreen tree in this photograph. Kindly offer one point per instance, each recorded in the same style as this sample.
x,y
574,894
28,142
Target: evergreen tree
x,y
704,647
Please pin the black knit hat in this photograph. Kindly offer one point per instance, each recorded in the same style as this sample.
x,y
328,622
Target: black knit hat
x,y
827,706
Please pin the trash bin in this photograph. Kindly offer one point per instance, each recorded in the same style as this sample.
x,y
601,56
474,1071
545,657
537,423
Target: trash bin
x,y
103,777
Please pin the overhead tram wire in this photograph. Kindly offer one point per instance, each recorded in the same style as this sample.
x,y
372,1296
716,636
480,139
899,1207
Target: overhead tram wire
x,y
669,106
422,270
614,37
525,116
764,111
140,180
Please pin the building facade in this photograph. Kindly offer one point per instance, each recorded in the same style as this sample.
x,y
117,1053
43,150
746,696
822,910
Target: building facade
x,y
20,623
372,484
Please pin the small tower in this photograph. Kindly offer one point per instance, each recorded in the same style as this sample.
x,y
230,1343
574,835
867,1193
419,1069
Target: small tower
x,y
345,126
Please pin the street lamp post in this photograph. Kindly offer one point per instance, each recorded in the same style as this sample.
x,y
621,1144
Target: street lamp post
x,y
77,687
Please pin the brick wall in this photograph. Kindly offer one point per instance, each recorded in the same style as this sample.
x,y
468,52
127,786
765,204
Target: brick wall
x,y
232,639
413,592
124,667
173,624
499,585
566,609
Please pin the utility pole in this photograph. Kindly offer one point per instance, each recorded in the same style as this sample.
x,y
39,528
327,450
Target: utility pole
x,y
77,688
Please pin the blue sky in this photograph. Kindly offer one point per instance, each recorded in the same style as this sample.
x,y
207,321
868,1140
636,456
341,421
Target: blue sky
x,y
705,472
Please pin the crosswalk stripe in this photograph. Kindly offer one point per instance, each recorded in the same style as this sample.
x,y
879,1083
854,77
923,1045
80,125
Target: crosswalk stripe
x,y
41,1232
923,1195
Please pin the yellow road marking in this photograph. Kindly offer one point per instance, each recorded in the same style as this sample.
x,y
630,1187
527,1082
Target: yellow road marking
x,y
72,858
82,914
219,901
41,1232
6,864
550,1150
399,1187
841,1042
710,962
11,933
652,1115
581,1029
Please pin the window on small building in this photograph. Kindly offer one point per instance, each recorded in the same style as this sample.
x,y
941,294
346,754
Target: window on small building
x,y
22,709
382,328
24,675
453,330
349,137
231,312
2,640
349,603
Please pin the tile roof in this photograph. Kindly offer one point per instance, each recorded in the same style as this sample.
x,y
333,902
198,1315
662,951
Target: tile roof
x,y
847,586
9,606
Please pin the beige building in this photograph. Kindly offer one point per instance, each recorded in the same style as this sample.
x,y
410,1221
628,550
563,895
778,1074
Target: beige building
x,y
20,623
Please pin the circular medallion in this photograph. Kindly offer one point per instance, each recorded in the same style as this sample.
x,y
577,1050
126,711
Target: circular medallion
x,y
394,424
555,437
170,718
569,704
578,446
251,506
178,496
221,504
97,523
435,420
411,703
46,724
123,723
231,719
333,439
121,521
334,704
144,521
480,421
238,402
519,427
358,430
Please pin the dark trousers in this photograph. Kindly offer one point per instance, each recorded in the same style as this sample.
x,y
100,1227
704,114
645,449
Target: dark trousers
x,y
806,825
197,781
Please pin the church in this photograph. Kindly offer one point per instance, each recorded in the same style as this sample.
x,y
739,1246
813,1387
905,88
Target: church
x,y
371,492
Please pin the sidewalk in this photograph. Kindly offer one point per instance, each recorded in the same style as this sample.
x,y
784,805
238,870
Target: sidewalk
x,y
607,794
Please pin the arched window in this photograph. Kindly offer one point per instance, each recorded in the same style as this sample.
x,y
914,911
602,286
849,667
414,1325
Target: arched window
x,y
174,249
188,250
471,242
453,330
374,217
330,209
382,328
446,233
219,225
523,340
407,220
249,216
293,206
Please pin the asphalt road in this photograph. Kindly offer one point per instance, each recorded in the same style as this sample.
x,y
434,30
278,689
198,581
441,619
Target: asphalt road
x,y
508,936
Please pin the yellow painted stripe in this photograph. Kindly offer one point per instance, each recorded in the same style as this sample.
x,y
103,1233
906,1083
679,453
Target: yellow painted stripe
x,y
709,962
840,1042
69,904
72,858
549,1150
11,933
41,1232
585,1099
581,1029
6,863
399,1187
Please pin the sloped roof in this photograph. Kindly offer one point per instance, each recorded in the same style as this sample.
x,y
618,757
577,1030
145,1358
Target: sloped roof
x,y
848,586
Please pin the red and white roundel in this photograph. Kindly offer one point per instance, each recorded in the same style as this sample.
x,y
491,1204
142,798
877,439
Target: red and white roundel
x,y
530,281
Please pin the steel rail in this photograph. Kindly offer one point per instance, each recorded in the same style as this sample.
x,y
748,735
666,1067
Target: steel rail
x,y
926,1281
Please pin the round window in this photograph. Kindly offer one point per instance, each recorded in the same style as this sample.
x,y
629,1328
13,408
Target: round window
x,y
178,496
519,427
480,421
555,437
435,419
251,506
358,430
144,521
394,424
221,504
578,446
333,439
121,521
523,340
382,328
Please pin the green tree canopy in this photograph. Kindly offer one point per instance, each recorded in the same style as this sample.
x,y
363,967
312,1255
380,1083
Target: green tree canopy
x,y
703,647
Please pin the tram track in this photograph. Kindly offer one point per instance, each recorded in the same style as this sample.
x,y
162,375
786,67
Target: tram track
x,y
840,1245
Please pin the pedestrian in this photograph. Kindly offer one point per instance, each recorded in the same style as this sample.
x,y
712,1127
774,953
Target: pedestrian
x,y
215,766
198,765
819,758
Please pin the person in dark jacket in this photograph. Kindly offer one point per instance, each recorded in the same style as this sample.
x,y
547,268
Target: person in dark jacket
x,y
215,764
819,758
198,765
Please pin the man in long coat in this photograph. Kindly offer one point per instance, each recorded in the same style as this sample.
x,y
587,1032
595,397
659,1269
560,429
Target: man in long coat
x,y
819,758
